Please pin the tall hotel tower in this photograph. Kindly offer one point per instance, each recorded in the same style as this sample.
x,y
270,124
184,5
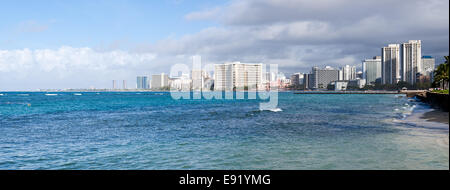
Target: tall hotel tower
x,y
390,64
372,70
411,60
236,75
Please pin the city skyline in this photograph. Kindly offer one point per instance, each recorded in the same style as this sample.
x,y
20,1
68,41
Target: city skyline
x,y
64,49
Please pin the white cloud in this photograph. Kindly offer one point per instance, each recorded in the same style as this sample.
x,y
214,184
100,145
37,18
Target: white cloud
x,y
296,34
86,65
304,33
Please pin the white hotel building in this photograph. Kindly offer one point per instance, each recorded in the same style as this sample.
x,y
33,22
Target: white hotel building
x,y
371,69
390,64
411,60
236,75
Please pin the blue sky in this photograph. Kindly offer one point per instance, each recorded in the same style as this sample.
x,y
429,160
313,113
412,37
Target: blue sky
x,y
49,44
86,23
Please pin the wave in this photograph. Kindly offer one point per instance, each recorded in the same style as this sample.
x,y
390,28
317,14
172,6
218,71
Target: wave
x,y
51,94
272,110
78,94
1,94
276,110
22,94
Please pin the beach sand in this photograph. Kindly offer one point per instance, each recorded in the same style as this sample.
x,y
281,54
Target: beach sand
x,y
436,116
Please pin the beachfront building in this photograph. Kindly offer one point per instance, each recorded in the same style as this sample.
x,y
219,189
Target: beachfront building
x,y
142,82
359,74
339,85
348,72
199,78
236,75
321,77
357,83
295,79
428,66
160,81
371,70
114,84
411,60
180,83
390,64
306,81
300,78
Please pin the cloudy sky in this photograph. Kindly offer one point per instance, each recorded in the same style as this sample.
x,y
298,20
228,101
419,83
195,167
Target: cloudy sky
x,y
88,43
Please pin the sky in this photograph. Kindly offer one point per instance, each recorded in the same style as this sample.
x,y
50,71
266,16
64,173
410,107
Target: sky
x,y
53,44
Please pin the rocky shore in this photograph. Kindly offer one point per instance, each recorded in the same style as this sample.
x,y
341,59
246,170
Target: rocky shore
x,y
436,100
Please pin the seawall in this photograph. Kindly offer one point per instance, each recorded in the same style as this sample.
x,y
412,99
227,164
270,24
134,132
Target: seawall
x,y
436,100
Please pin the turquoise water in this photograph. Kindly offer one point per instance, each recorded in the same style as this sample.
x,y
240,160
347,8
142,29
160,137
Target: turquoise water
x,y
149,130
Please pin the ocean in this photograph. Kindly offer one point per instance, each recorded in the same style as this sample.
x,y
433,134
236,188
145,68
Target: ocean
x,y
150,130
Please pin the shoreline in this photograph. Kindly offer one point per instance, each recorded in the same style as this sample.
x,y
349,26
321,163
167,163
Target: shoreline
x,y
437,116
427,116
435,100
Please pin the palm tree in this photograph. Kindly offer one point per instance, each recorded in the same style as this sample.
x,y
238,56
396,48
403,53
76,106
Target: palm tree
x,y
441,75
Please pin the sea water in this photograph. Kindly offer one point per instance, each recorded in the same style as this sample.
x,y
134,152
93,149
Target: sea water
x,y
150,130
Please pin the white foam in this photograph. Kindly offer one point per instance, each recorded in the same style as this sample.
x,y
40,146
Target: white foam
x,y
276,110
78,94
273,110
51,94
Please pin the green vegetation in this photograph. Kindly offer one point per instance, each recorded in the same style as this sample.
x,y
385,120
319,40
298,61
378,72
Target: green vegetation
x,y
441,75
165,88
397,86
440,91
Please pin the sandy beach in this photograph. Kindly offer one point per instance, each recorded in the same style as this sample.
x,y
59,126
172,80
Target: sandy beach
x,y
436,116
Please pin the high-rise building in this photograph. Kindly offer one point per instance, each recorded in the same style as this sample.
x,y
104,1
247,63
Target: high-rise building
x,y
124,84
223,77
114,84
411,60
198,79
182,83
428,65
300,78
142,82
348,72
295,79
320,78
306,81
236,75
160,81
390,64
371,70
